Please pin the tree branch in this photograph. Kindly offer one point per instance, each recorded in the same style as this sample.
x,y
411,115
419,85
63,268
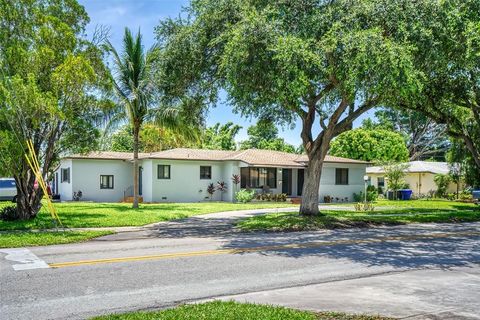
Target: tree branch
x,y
346,123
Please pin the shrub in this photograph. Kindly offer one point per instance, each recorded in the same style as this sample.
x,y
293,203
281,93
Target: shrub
x,y
380,190
275,197
9,213
371,196
442,181
395,172
211,190
465,195
77,196
364,206
245,196
222,187
451,196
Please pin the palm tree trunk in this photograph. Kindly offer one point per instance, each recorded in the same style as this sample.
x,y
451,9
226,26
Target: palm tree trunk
x,y
29,200
136,132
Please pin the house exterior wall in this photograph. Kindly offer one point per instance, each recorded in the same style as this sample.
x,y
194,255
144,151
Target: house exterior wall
x,y
420,183
147,180
85,176
327,182
185,184
65,188
328,187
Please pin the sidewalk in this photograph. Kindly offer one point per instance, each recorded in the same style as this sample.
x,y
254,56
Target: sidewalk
x,y
414,294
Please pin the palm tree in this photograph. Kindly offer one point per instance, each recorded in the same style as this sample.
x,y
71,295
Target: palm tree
x,y
138,100
133,87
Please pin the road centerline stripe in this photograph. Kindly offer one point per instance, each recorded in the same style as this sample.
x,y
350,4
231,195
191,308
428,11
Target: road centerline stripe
x,y
262,248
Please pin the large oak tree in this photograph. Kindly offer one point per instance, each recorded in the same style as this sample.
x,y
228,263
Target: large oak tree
x,y
324,62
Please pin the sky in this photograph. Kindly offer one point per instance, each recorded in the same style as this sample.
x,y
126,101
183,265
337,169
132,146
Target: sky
x,y
145,15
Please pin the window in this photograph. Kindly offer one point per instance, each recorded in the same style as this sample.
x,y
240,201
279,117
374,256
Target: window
x,y
106,182
163,171
381,182
65,175
258,177
205,172
341,176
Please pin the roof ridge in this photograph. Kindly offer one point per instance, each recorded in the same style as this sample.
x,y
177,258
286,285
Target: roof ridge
x,y
241,152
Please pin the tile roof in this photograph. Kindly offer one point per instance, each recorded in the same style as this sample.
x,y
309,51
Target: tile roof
x,y
254,157
419,167
106,155
191,154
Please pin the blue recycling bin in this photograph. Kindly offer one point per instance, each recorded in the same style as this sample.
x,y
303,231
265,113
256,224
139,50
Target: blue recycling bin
x,y
476,194
406,194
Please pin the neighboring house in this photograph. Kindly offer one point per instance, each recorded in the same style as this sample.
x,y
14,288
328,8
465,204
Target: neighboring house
x,y
419,176
182,175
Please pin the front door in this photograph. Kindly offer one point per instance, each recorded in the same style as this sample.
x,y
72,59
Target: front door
x,y
287,181
300,179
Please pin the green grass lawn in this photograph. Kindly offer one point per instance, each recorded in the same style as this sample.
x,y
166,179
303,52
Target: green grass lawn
x,y
234,311
386,213
86,214
28,239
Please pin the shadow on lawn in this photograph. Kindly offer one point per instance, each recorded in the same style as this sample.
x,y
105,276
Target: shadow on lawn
x,y
195,227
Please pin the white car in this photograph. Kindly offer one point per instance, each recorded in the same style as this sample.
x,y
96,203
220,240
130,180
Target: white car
x,y
8,189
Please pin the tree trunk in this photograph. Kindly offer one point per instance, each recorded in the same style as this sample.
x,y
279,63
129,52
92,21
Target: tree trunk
x,y
311,186
473,150
29,199
136,132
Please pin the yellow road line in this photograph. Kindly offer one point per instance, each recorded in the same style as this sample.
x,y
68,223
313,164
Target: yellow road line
x,y
263,248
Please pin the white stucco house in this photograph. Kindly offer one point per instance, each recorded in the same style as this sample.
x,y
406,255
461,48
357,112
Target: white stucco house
x,y
182,175
419,176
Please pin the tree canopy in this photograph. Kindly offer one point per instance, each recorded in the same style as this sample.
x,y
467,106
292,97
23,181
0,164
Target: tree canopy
x,y
425,139
264,135
448,46
220,137
152,139
324,62
370,145
51,80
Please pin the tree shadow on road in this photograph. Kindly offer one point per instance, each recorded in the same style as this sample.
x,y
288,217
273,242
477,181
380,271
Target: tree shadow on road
x,y
418,251
408,247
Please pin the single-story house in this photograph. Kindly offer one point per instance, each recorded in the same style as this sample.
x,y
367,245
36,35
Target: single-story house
x,y
183,175
419,176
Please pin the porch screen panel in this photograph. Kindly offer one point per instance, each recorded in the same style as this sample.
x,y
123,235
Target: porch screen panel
x,y
254,178
272,178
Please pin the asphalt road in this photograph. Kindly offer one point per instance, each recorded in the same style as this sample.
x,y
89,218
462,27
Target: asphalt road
x,y
420,271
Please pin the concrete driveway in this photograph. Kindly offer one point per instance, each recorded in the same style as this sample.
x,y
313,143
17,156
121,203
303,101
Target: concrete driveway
x,y
417,271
